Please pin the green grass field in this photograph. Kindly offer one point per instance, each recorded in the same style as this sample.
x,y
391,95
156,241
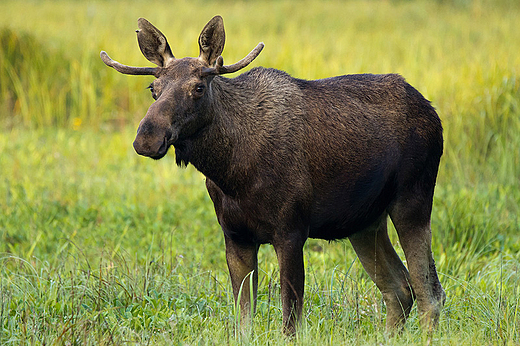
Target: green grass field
x,y
100,246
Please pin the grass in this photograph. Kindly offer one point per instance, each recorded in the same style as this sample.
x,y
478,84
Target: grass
x,y
101,246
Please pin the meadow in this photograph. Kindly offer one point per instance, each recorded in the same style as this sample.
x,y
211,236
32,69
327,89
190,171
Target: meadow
x,y
99,246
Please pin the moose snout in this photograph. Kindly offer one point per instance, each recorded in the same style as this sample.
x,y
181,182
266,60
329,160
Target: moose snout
x,y
156,150
152,142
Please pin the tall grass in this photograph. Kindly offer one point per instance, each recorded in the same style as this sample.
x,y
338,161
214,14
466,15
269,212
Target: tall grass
x,y
100,246
42,87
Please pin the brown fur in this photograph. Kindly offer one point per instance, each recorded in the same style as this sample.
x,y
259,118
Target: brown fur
x,y
287,159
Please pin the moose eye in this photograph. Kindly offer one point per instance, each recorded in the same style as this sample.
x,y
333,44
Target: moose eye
x,y
154,95
199,89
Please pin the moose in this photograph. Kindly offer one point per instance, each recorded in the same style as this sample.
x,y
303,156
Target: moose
x,y
288,159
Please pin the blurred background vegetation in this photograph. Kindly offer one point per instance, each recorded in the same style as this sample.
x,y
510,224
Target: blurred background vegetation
x,y
77,203
463,55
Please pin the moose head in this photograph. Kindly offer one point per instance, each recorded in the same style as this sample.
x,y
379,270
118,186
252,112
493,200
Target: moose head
x,y
181,88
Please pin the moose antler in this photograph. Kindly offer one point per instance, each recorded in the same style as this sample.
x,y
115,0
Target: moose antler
x,y
221,69
127,69
218,69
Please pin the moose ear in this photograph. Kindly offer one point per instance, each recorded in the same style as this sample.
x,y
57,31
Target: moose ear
x,y
211,40
153,43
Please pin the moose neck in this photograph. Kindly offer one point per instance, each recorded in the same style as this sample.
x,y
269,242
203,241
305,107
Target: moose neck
x,y
221,151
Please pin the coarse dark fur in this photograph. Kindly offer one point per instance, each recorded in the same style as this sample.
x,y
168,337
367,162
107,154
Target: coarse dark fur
x,y
287,159
335,152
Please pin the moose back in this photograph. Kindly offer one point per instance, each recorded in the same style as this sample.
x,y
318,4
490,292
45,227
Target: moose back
x,y
287,159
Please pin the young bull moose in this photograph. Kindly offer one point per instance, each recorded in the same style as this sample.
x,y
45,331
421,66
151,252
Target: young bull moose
x,y
287,159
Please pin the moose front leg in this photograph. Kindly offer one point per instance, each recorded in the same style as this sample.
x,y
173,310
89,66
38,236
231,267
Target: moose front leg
x,y
292,278
242,259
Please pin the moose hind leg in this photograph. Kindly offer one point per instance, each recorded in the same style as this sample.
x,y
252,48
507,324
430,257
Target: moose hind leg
x,y
412,222
383,265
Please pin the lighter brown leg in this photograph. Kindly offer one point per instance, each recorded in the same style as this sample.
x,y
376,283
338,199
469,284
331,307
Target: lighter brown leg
x,y
383,265
416,243
242,260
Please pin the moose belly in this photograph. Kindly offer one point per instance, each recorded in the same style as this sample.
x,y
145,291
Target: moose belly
x,y
347,206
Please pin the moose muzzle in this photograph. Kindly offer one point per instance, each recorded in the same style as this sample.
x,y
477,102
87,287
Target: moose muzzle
x,y
152,141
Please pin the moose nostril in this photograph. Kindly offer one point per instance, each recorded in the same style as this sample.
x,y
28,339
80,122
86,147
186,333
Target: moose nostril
x,y
164,146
